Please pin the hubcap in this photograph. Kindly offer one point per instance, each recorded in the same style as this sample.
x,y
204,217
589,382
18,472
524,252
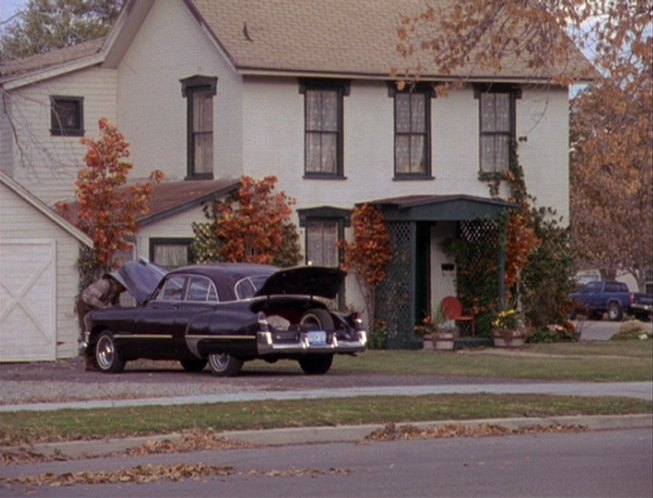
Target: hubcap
x,y
219,361
105,353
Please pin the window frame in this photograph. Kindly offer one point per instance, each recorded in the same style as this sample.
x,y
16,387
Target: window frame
x,y
191,88
428,92
57,129
185,241
327,213
514,92
342,89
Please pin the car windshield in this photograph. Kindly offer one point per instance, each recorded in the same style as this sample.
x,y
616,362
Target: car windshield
x,y
246,288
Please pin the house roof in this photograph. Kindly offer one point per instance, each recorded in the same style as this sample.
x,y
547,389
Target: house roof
x,y
337,38
52,58
169,198
44,209
451,207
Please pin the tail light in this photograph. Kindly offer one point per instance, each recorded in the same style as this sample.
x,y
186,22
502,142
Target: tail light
x,y
264,326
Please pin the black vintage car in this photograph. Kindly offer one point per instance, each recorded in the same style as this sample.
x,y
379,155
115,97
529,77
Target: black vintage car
x,y
224,315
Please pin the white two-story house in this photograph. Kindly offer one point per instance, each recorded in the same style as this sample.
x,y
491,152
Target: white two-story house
x,y
210,90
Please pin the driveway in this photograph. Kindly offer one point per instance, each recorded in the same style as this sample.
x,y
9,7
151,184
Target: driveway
x,y
602,330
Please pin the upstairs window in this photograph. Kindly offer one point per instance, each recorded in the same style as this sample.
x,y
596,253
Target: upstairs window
x,y
66,116
323,135
199,92
412,132
497,127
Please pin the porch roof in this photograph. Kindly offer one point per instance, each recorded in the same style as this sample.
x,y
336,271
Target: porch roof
x,y
449,207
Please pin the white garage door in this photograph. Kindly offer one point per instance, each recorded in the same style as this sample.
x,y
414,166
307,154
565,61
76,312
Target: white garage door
x,y
27,300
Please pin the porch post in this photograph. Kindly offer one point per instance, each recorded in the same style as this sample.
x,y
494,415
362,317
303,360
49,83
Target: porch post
x,y
502,267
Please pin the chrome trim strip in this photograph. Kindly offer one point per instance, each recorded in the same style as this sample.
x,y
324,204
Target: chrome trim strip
x,y
143,336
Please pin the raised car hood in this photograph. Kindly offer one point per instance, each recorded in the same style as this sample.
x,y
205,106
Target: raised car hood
x,y
306,281
140,278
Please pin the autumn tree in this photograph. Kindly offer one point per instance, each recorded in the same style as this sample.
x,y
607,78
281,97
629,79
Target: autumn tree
x,y
612,121
369,253
253,225
45,25
106,208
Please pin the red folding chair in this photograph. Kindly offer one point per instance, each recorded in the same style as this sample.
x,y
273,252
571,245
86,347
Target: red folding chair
x,y
452,309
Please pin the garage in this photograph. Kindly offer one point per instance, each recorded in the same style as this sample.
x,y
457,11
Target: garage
x,y
38,278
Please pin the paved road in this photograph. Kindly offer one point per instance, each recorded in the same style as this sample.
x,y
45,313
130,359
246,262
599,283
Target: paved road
x,y
596,464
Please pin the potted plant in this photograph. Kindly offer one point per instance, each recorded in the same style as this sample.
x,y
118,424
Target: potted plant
x,y
442,332
508,329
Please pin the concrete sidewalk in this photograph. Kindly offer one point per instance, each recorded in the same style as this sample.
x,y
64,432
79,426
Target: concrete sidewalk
x,y
639,390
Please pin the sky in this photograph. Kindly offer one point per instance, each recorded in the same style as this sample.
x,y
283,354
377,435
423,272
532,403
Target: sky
x,y
9,7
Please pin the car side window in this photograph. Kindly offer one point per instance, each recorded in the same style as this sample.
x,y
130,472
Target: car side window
x,y
591,287
245,289
201,289
173,289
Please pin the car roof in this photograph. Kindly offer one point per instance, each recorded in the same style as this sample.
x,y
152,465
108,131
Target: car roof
x,y
225,276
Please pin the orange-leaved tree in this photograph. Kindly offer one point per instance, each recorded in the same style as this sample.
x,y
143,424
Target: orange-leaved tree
x,y
369,253
104,210
253,225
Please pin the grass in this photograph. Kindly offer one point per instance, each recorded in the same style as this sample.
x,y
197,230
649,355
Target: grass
x,y
31,427
619,361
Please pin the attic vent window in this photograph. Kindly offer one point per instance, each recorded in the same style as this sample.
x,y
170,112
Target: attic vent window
x,y
67,116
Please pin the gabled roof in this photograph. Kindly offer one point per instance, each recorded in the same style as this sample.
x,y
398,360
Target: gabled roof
x,y
354,38
169,198
337,38
44,209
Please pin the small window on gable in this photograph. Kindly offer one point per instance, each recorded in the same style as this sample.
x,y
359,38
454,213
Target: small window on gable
x,y
199,92
66,116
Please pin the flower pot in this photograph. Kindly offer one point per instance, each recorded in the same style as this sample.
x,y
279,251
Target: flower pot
x,y
443,341
508,338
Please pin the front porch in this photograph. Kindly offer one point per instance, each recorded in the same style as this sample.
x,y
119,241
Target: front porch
x,y
421,273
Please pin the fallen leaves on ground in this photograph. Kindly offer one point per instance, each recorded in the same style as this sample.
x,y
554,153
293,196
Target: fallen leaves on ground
x,y
299,472
193,440
392,432
141,474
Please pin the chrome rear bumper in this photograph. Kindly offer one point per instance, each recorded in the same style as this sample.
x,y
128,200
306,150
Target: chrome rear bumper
x,y
267,346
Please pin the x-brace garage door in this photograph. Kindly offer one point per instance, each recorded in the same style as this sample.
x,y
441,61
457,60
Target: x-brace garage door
x,y
27,300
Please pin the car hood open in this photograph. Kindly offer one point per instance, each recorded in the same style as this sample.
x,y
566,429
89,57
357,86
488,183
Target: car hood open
x,y
140,278
306,281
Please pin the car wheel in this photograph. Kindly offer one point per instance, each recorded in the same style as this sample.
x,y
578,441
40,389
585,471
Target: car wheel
x,y
193,365
317,319
615,313
107,356
225,365
316,364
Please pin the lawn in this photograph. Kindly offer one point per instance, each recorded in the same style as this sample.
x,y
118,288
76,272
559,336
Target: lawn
x,y
607,361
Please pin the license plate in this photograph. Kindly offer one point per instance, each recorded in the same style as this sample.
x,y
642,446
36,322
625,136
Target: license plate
x,y
316,338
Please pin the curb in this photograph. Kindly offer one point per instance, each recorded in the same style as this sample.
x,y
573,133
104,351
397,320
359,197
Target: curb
x,y
338,434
